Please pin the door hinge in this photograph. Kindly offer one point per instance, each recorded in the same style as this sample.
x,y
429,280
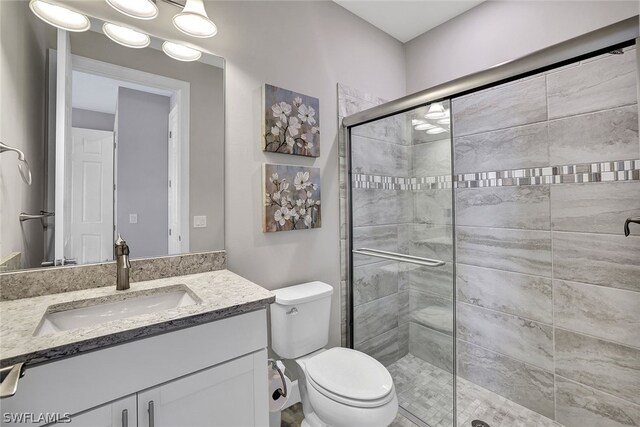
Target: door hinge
x,y
170,134
169,183
179,238
114,187
169,232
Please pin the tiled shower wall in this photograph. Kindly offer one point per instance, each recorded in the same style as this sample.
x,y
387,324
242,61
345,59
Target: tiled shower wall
x,y
381,301
548,287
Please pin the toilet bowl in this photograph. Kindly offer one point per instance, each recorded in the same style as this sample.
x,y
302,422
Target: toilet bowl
x,y
339,387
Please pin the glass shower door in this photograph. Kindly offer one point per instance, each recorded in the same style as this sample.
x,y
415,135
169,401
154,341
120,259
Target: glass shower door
x,y
402,255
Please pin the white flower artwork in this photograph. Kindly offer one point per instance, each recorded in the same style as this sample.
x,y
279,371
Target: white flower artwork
x,y
291,198
291,122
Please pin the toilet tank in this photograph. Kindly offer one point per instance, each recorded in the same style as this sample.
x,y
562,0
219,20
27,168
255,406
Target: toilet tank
x,y
300,319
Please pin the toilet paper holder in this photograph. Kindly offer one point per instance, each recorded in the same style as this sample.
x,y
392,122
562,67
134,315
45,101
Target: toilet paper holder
x,y
280,392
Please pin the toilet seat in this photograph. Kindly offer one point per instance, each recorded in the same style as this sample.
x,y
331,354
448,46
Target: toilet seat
x,y
350,377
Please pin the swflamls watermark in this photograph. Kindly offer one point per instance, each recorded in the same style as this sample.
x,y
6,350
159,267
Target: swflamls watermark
x,y
35,418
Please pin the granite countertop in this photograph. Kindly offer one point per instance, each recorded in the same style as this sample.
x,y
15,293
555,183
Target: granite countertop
x,y
221,294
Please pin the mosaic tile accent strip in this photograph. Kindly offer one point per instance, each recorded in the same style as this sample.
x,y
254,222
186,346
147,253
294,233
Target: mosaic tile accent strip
x,y
625,170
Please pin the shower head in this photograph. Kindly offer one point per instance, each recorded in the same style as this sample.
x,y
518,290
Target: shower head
x,y
23,166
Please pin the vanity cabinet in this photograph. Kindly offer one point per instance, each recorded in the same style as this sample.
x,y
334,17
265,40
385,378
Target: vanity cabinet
x,y
211,374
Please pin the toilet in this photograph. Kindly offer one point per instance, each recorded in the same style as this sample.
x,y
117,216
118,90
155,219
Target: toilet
x,y
339,387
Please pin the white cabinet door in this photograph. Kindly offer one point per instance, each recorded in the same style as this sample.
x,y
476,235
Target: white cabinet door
x,y
230,394
120,413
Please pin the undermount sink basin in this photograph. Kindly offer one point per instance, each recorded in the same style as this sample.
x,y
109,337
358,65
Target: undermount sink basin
x,y
91,312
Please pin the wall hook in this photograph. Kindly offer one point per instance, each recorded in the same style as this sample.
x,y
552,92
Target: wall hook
x,y
23,166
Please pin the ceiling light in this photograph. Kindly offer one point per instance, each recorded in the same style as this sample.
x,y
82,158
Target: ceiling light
x,y
141,9
181,52
424,126
436,111
193,20
436,130
126,36
59,16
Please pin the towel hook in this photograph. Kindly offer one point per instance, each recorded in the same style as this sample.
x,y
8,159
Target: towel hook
x,y
23,166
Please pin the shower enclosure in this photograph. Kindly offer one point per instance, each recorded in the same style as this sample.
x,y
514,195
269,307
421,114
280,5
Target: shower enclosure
x,y
485,257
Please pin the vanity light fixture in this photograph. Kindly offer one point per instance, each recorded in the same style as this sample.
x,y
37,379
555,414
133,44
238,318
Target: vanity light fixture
x,y
444,121
436,130
180,52
140,9
425,126
59,16
193,20
126,36
416,122
436,111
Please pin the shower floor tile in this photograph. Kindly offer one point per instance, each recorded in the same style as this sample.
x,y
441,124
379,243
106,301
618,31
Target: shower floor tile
x,y
425,391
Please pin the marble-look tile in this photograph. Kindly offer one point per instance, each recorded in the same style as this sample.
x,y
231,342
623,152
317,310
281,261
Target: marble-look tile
x,y
375,317
596,137
45,281
379,207
426,241
390,129
370,156
607,313
581,406
514,148
433,207
374,281
383,237
384,347
520,251
528,341
512,293
431,159
438,281
525,384
504,207
501,107
346,90
601,259
595,85
431,346
603,365
431,311
348,105
594,207
403,339
403,306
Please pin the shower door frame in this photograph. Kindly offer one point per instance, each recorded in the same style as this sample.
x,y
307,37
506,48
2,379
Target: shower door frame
x,y
615,36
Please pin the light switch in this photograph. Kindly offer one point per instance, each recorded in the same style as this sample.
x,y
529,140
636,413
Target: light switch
x,y
133,218
199,221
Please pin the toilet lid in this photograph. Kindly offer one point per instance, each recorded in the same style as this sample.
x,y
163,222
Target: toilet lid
x,y
350,374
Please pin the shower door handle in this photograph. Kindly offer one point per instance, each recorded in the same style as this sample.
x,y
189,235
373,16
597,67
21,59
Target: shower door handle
x,y
425,262
635,220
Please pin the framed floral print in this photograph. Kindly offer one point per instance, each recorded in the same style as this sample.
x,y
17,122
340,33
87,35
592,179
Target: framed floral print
x,y
291,198
291,122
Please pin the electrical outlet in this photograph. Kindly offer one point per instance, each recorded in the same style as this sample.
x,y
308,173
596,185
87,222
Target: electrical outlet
x,y
200,221
133,218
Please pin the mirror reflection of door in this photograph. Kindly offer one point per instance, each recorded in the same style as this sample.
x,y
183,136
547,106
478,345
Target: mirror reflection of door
x,y
91,208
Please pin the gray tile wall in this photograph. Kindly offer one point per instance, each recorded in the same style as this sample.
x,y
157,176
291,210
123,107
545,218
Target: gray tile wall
x,y
548,288
381,303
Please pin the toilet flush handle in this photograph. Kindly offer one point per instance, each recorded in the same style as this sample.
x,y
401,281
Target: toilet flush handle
x,y
292,312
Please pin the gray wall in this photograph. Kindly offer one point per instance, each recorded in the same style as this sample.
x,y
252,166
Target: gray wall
x,y
206,149
548,287
143,122
23,42
498,31
92,120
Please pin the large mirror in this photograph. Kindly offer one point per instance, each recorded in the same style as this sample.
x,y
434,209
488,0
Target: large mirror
x,y
114,140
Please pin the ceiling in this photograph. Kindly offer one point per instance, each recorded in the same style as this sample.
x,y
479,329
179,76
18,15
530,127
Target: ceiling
x,y
406,19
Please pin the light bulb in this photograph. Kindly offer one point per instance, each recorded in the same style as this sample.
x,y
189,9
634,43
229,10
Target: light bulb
x,y
181,52
59,16
436,111
424,126
436,130
193,20
141,9
126,36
